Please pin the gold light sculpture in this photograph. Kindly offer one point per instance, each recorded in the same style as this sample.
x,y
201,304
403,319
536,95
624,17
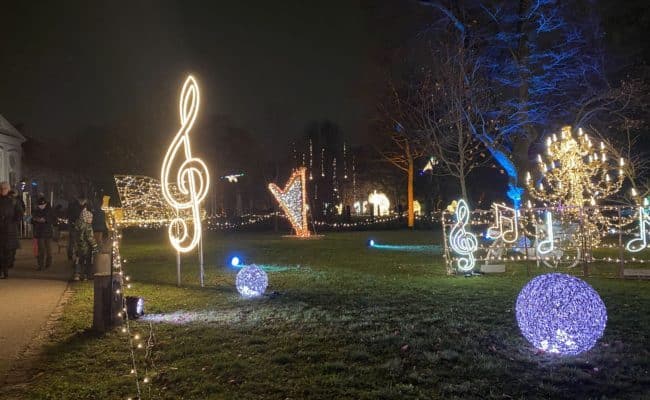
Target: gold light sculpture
x,y
142,201
293,200
192,178
574,172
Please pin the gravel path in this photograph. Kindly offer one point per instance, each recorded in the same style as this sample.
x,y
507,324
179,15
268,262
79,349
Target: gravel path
x,y
27,299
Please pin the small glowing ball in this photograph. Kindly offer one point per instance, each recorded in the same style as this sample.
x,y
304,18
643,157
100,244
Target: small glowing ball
x,y
561,314
235,261
371,243
251,281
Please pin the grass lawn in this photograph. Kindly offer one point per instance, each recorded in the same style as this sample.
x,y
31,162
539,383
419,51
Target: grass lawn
x,y
344,322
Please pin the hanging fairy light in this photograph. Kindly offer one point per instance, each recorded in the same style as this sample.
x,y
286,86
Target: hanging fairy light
x,y
136,341
311,160
345,162
354,179
334,181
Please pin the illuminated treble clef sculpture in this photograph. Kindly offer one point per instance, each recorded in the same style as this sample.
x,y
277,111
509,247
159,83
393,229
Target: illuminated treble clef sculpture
x,y
191,181
462,242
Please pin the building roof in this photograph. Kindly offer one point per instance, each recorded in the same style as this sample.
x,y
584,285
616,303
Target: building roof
x,y
7,129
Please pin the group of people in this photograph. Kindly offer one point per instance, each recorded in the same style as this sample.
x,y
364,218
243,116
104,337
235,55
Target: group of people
x,y
86,226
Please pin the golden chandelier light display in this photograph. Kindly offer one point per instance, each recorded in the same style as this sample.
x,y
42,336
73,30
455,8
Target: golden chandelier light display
x,y
573,172
293,201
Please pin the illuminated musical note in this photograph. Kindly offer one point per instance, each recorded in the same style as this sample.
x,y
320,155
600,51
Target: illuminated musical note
x,y
640,243
511,233
192,178
547,245
462,242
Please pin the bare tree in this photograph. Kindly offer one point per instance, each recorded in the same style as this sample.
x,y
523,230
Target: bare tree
x,y
448,93
401,145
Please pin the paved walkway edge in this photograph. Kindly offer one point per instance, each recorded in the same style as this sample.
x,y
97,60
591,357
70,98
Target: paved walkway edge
x,y
19,373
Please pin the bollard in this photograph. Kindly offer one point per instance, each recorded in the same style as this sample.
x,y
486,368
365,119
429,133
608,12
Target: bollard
x,y
106,301
102,318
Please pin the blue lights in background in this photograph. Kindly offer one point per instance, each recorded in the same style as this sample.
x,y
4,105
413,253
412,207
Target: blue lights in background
x,y
423,248
235,261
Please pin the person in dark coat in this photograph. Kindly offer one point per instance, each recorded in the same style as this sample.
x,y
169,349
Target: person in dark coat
x,y
19,199
43,219
11,212
99,224
74,210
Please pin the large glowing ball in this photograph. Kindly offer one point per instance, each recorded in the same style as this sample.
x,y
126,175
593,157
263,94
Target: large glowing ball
x,y
561,314
251,281
371,243
234,262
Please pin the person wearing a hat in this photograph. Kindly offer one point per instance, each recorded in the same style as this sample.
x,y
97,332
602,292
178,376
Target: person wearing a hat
x,y
43,220
11,213
85,245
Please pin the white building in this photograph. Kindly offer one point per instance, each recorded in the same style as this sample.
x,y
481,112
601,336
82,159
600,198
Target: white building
x,y
10,152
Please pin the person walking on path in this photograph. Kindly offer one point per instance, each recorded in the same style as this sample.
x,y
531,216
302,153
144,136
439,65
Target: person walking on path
x,y
74,210
99,224
14,194
43,220
85,246
11,212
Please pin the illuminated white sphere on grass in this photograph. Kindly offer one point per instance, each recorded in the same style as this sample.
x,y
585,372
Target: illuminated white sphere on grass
x,y
561,314
251,281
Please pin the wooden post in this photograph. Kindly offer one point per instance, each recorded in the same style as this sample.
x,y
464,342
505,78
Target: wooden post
x,y
102,318
106,299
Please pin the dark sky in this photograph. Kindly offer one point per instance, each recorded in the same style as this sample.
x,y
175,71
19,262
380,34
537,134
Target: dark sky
x,y
271,66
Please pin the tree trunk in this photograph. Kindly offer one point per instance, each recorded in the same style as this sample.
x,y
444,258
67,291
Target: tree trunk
x,y
411,211
463,187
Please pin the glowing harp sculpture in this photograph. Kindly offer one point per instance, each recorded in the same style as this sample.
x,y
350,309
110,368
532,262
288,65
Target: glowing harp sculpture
x,y
293,201
192,178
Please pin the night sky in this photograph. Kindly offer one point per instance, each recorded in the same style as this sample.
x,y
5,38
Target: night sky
x,y
270,66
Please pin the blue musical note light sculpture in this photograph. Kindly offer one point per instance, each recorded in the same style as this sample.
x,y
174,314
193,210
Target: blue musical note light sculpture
x,y
462,242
